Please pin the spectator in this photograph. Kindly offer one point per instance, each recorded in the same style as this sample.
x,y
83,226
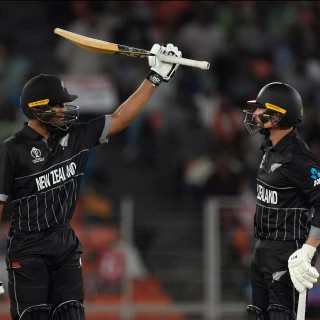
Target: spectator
x,y
204,30
14,68
226,178
113,258
226,124
181,139
92,21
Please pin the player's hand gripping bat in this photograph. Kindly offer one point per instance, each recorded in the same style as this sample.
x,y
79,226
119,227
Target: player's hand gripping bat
x,y
105,47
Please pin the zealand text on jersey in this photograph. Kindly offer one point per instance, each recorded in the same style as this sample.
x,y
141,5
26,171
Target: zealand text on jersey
x,y
55,176
266,195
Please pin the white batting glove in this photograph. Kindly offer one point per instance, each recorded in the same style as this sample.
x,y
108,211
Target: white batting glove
x,y
302,274
1,288
159,68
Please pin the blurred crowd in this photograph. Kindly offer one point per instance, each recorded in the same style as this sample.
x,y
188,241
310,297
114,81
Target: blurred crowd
x,y
196,120
193,126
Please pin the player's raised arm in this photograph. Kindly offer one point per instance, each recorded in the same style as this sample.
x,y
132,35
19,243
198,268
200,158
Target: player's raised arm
x,y
160,71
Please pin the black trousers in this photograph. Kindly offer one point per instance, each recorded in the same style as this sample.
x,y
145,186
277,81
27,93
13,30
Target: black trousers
x,y
43,268
270,277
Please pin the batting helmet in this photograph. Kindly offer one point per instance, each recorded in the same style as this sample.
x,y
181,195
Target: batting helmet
x,y
41,93
283,106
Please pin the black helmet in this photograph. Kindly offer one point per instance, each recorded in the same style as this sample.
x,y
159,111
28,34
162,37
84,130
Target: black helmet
x,y
41,93
279,99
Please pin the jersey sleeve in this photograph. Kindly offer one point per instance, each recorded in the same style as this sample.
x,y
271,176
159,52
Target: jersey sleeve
x,y
305,175
95,131
6,174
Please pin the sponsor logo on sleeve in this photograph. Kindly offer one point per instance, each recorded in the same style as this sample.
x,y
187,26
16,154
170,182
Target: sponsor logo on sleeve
x,y
315,175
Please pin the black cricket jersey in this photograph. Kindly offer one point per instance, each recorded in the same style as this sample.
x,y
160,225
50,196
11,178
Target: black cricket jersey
x,y
42,176
288,191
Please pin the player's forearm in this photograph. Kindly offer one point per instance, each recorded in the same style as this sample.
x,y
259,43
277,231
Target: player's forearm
x,y
134,104
313,242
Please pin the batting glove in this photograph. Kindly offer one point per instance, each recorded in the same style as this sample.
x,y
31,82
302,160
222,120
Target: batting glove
x,y
302,274
1,288
162,71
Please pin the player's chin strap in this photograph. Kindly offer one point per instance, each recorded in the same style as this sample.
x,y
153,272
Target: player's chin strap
x,y
69,310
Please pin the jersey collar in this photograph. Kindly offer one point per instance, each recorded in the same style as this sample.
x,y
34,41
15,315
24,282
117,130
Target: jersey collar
x,y
30,133
285,140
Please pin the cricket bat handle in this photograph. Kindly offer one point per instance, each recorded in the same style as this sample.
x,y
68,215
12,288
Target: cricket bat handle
x,y
185,62
302,305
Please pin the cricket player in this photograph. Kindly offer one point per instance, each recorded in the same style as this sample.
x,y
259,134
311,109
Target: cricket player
x,y
41,168
287,218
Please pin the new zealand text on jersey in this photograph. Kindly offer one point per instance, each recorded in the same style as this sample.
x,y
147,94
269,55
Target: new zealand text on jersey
x,y
55,176
266,195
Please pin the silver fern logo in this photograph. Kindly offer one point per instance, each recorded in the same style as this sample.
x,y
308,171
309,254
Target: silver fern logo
x,y
275,166
64,141
277,275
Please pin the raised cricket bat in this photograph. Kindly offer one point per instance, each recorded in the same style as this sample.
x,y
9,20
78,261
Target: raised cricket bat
x,y
105,47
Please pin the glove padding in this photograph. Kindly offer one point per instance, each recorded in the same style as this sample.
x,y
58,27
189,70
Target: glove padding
x,y
302,274
1,288
165,70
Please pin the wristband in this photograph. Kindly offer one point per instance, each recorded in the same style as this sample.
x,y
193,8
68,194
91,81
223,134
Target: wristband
x,y
154,78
